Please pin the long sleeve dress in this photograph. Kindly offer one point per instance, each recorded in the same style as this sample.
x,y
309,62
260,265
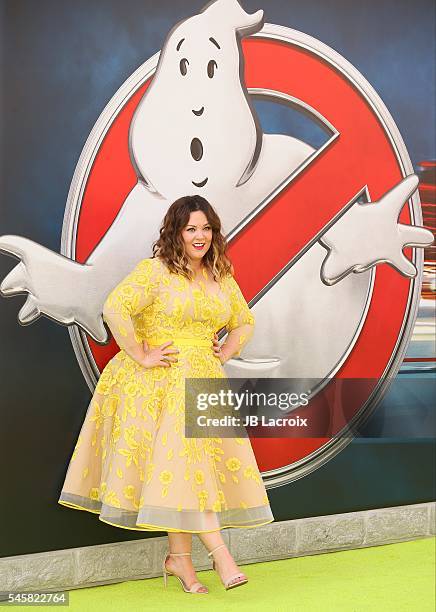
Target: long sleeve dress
x,y
132,464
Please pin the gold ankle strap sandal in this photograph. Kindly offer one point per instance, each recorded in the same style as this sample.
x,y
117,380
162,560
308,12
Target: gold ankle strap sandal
x,y
196,587
232,581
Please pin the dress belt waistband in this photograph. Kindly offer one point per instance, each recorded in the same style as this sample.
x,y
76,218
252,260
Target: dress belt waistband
x,y
180,341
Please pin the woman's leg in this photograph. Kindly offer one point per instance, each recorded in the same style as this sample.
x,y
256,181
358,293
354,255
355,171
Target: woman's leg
x,y
182,566
224,562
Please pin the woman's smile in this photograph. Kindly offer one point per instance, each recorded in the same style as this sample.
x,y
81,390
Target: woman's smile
x,y
197,234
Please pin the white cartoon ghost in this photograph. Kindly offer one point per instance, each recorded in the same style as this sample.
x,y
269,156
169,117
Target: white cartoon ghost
x,y
195,131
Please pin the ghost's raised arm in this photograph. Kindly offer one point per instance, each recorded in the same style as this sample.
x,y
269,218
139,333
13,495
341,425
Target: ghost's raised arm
x,y
369,233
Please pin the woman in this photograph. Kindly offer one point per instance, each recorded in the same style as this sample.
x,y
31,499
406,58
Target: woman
x,y
132,464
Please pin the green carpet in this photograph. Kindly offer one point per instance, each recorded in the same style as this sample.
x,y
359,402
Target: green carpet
x,y
389,577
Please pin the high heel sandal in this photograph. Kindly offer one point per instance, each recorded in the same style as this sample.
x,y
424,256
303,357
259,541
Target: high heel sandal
x,y
194,588
227,583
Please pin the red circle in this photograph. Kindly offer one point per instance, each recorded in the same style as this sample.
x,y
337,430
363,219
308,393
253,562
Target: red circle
x,y
363,154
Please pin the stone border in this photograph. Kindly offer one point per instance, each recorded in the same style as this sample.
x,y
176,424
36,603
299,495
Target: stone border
x,y
135,560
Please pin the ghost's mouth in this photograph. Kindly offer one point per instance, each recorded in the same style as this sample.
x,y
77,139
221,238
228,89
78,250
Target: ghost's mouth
x,y
202,184
198,112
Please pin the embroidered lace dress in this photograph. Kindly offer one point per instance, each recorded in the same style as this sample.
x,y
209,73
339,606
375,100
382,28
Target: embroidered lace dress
x,y
132,464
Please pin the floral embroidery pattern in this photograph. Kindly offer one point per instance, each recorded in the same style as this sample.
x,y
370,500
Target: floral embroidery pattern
x,y
132,453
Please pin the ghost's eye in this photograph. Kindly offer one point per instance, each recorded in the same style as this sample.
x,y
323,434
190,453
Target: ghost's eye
x,y
184,66
211,67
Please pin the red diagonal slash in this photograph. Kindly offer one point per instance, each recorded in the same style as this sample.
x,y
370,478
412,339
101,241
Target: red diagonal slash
x,y
362,155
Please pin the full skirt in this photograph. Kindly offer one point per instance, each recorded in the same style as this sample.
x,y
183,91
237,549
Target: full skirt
x,y
133,466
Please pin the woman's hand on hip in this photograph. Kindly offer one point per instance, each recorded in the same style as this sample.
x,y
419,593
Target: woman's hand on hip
x,y
217,349
159,356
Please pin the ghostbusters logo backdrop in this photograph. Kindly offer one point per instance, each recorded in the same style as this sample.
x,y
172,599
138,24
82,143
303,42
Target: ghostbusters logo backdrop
x,y
326,237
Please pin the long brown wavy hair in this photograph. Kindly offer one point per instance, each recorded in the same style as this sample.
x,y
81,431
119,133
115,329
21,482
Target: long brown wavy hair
x,y
170,246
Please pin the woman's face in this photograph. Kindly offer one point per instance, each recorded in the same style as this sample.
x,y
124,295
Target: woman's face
x,y
197,235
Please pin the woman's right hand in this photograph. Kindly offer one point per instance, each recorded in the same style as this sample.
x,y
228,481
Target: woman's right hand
x,y
159,356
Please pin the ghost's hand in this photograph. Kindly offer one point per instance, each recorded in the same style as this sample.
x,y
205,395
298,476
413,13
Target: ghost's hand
x,y
368,234
58,287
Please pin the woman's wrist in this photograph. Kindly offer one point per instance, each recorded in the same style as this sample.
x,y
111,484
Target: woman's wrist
x,y
224,356
139,355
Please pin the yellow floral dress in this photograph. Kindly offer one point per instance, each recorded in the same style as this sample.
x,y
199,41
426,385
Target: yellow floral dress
x,y
132,464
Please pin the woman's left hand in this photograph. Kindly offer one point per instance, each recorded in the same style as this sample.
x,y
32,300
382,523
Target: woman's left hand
x,y
218,352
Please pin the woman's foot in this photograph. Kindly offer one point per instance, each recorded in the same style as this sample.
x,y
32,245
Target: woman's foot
x,y
226,566
182,566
